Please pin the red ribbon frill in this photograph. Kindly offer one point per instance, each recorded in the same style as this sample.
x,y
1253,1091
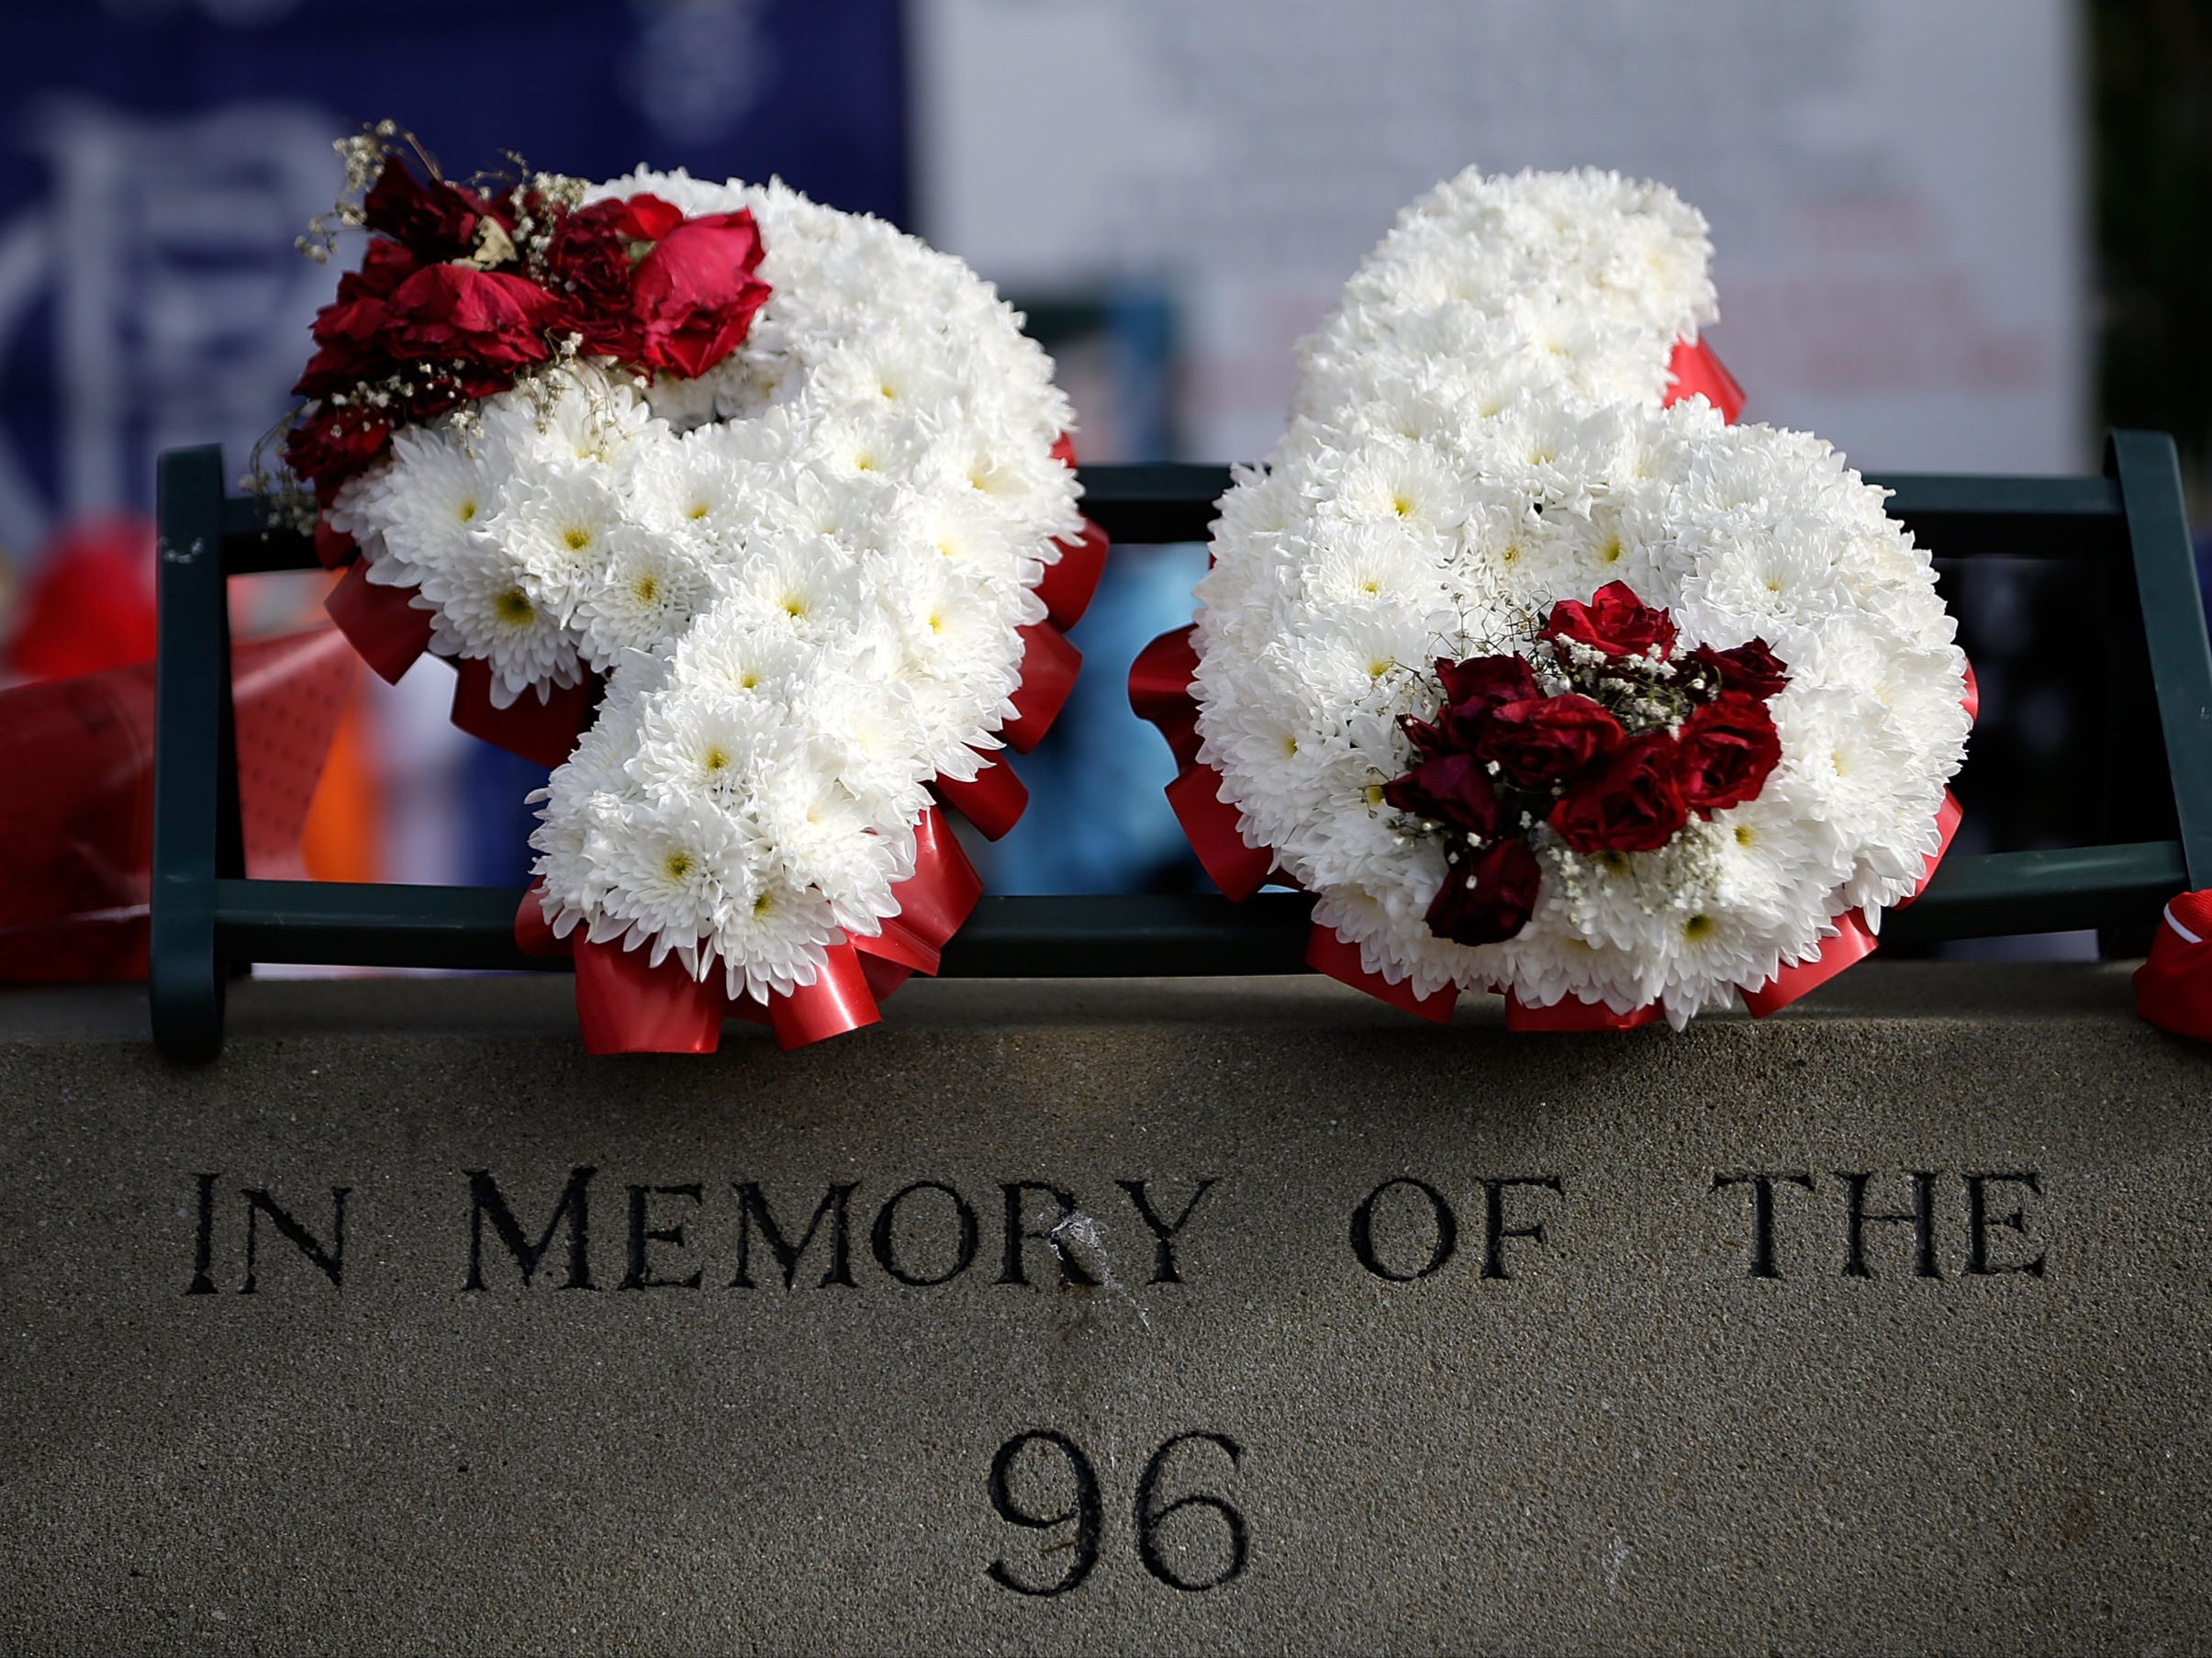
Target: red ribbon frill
x,y
1067,586
1210,824
1573,1013
838,1001
1853,942
627,1006
545,732
1695,372
382,623
933,903
993,800
1326,952
1049,666
1159,691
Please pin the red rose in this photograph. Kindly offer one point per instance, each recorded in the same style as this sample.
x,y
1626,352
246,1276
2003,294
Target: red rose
x,y
1549,740
436,221
1471,689
646,217
384,264
1725,751
485,318
588,267
1614,621
1451,790
332,445
1492,680
695,294
1629,801
1751,667
1488,897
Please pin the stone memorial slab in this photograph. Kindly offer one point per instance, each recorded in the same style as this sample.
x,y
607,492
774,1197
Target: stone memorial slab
x,y
1108,1317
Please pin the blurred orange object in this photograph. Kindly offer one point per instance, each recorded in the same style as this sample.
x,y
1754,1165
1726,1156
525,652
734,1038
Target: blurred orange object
x,y
76,819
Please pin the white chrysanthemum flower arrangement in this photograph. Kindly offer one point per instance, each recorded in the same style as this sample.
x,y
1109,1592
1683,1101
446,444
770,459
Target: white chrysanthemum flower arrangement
x,y
803,575
1478,434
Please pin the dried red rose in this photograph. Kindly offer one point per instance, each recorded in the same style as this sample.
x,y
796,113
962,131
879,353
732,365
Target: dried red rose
x,y
434,222
332,445
1751,667
1725,751
1487,897
1548,741
1630,802
1452,789
485,318
1614,621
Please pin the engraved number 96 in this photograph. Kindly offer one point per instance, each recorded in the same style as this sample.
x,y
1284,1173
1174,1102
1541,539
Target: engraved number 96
x,y
1083,1510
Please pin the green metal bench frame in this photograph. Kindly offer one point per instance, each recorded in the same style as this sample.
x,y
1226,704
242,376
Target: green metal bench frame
x,y
2127,528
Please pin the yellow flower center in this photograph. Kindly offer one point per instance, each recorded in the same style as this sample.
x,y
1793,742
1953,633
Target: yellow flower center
x,y
677,865
467,511
1697,926
514,607
578,537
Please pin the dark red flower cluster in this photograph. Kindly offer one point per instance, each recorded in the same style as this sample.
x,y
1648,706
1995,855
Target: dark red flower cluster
x,y
448,306
1637,742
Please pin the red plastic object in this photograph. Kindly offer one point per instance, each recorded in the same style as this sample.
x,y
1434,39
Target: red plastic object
x,y
2173,986
76,825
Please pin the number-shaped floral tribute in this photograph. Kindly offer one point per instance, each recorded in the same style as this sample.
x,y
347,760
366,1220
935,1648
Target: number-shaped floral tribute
x,y
771,504
1537,673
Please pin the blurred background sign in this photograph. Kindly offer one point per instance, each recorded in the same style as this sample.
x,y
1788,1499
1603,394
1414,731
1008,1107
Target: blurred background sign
x,y
1893,187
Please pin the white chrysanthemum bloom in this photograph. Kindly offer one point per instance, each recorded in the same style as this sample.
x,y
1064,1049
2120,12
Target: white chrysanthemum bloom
x,y
1477,433
485,607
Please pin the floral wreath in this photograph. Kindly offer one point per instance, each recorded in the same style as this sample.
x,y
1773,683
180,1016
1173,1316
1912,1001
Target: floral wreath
x,y
754,518
1537,673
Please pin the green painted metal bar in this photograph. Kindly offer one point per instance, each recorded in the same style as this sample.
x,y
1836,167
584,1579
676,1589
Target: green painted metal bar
x,y
195,828
1133,935
2148,471
2059,890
